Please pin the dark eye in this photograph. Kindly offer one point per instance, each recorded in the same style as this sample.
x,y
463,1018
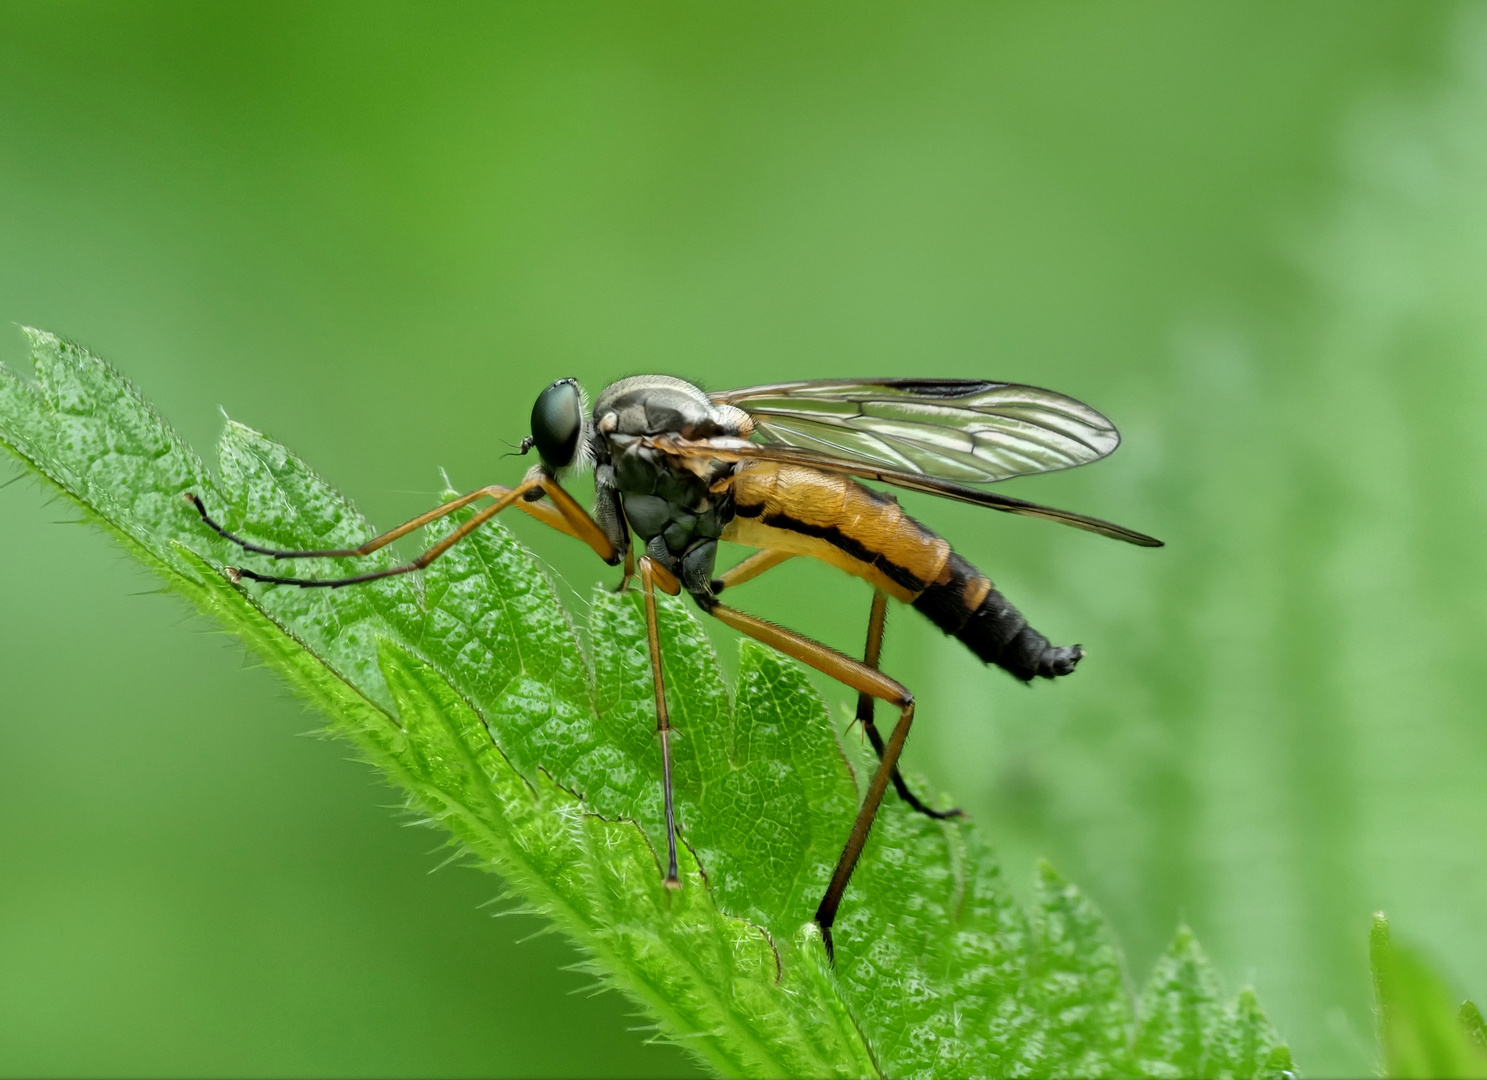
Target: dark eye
x,y
557,420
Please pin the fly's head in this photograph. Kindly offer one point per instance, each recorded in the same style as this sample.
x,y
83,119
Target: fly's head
x,y
560,425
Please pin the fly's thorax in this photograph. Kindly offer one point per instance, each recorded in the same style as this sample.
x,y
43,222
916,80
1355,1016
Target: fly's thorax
x,y
667,499
677,506
664,405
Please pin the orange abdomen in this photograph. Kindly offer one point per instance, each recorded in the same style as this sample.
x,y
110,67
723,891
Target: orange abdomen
x,y
864,532
837,520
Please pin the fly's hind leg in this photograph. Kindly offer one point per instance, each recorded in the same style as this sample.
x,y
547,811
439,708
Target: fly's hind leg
x,y
761,561
863,679
866,703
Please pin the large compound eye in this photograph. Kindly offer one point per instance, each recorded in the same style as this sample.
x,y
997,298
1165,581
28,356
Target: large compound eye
x,y
557,420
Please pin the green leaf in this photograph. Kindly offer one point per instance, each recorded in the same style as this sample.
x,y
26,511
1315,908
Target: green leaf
x,y
1470,1019
1185,1030
1078,982
1421,1032
468,687
1179,1011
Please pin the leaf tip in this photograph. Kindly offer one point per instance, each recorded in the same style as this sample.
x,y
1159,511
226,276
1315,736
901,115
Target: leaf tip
x,y
1469,1017
1378,939
811,942
1048,877
41,337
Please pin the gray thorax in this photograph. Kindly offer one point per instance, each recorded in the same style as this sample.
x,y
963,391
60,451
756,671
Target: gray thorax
x,y
667,501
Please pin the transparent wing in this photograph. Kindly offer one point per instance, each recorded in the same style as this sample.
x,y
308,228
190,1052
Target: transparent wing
x,y
725,448
954,429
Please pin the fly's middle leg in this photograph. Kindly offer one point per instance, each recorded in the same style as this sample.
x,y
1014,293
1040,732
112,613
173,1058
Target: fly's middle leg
x,y
652,576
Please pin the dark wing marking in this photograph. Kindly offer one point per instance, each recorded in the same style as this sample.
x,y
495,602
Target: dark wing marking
x,y
954,429
729,449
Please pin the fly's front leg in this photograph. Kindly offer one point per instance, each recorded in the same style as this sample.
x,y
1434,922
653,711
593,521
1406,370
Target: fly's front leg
x,y
859,677
876,623
377,543
564,514
652,575
577,520
510,496
609,516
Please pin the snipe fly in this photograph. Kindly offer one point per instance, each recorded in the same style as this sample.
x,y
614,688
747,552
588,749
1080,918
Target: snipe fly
x,y
779,468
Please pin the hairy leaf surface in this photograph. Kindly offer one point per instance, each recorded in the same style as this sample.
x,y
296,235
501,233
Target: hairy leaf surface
x,y
469,688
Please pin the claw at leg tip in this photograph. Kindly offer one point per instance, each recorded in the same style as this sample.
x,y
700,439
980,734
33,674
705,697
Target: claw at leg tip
x,y
673,883
234,575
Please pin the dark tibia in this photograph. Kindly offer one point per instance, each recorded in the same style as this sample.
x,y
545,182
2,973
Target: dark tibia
x,y
506,497
877,624
238,573
899,784
201,509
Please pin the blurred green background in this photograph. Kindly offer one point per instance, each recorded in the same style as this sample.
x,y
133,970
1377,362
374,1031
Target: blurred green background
x,y
1255,235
